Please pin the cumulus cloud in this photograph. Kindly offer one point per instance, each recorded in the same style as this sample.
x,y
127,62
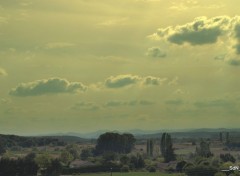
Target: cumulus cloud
x,y
121,81
128,80
47,86
200,31
151,80
2,72
129,103
203,30
156,52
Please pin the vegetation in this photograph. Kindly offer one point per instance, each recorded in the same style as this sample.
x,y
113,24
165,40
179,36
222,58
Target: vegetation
x,y
167,148
119,153
114,142
150,146
204,149
227,157
13,140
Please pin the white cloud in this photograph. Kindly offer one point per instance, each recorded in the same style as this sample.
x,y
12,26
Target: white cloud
x,y
202,31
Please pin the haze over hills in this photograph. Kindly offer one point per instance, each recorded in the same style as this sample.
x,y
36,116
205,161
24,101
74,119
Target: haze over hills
x,y
151,133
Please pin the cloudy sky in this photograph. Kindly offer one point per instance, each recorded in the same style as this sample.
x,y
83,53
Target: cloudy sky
x,y
86,65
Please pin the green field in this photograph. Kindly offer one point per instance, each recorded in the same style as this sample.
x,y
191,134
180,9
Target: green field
x,y
132,174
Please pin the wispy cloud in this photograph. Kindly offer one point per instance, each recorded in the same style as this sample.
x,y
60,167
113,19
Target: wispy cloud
x,y
129,103
2,72
56,45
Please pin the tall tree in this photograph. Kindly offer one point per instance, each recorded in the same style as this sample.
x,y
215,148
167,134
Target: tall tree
x,y
220,136
150,146
114,142
227,138
167,148
204,149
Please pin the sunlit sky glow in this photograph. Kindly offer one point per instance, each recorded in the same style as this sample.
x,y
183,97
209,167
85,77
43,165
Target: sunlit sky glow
x,y
86,65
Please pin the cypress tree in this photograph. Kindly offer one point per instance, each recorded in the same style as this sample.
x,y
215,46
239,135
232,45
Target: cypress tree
x,y
166,148
220,136
151,147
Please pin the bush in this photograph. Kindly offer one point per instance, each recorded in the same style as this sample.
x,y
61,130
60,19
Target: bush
x,y
86,153
227,157
125,168
152,169
180,165
170,169
236,173
200,170
91,169
220,174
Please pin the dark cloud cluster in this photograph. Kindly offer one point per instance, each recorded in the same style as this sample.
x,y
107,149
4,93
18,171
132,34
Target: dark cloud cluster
x,y
150,80
156,52
59,85
200,31
47,86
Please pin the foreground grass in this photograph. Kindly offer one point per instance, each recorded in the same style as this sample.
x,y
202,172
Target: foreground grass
x,y
132,174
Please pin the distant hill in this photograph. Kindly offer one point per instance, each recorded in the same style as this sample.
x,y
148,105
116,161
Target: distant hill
x,y
196,133
30,141
71,139
138,133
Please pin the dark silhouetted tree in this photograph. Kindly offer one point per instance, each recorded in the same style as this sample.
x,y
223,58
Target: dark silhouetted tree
x,y
54,168
220,136
2,148
203,149
227,157
167,148
150,146
86,153
114,142
227,138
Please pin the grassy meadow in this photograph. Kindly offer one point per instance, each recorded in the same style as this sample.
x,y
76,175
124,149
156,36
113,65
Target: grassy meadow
x,y
132,174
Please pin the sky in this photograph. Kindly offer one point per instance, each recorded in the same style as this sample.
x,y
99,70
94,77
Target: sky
x,y
87,65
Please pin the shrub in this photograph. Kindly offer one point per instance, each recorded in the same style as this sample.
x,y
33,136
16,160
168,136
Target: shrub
x,y
220,174
227,157
170,169
152,169
200,170
125,168
180,165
